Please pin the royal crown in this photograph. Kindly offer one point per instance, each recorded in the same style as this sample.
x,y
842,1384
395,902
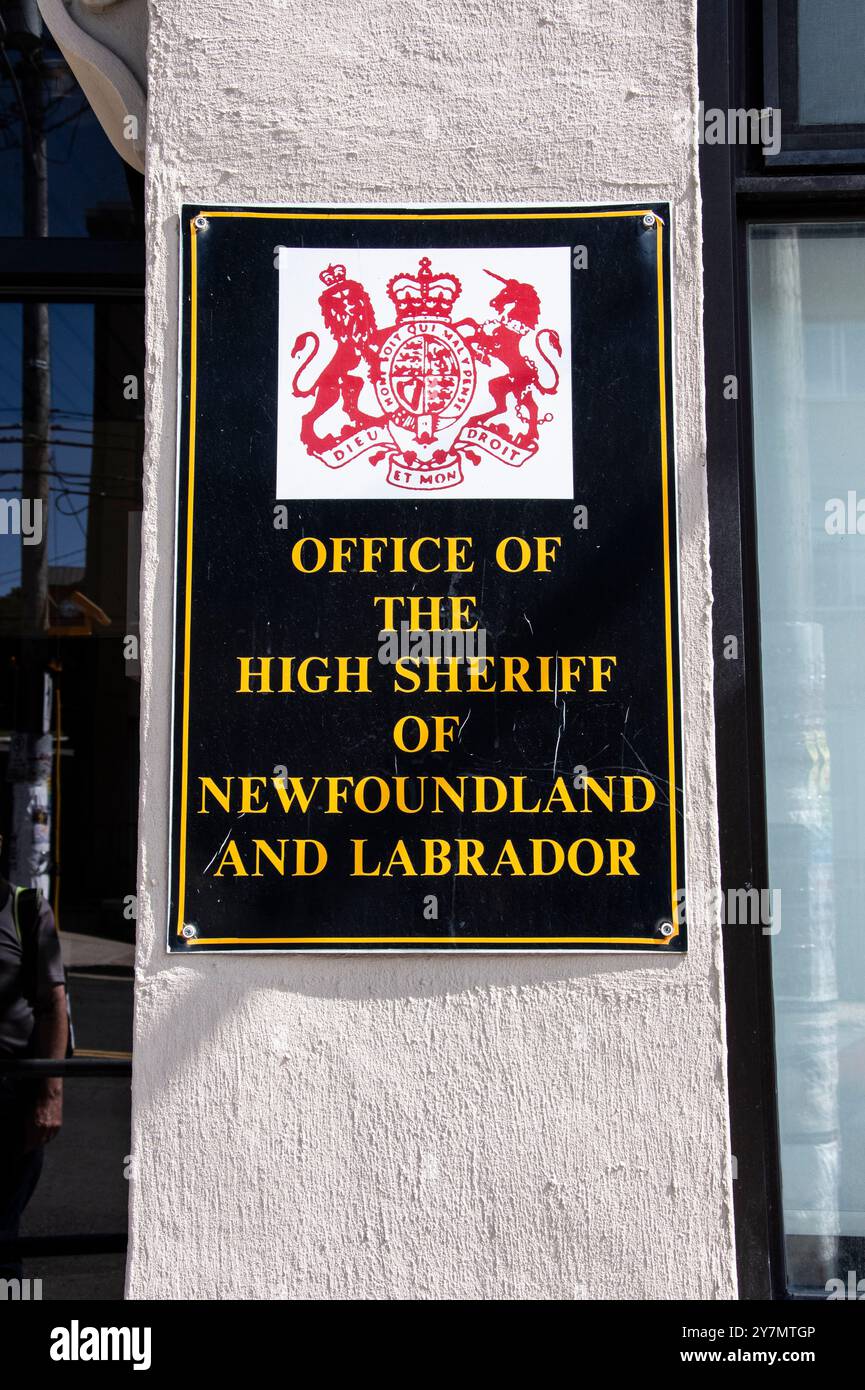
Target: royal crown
x,y
333,275
423,295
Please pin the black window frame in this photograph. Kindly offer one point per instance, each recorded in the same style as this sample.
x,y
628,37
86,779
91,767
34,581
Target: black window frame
x,y
71,270
737,192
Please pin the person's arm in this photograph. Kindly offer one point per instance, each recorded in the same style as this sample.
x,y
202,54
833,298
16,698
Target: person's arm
x,y
52,1031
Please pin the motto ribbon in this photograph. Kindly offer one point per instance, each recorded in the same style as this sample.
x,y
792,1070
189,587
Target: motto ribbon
x,y
496,445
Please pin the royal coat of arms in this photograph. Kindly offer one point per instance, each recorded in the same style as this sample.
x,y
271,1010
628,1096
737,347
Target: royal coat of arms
x,y
435,392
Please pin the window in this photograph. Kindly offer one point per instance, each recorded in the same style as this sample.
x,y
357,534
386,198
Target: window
x,y
807,300
77,448
71,434
784,283
88,188
814,59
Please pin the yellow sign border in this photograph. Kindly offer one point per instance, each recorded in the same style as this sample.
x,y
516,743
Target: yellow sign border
x,y
512,941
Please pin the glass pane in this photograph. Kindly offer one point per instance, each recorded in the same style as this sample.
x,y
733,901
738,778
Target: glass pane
x,y
78,444
71,438
47,125
808,346
831,44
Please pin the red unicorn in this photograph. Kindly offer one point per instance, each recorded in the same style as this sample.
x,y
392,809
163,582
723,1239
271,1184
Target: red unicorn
x,y
518,307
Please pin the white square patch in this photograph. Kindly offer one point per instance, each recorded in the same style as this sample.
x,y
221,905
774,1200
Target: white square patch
x,y
424,373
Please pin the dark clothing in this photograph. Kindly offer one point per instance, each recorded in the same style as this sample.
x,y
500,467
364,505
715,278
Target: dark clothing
x,y
17,1016
20,998
19,1169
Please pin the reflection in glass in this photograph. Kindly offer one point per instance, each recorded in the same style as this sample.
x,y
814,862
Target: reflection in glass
x,y
71,430
68,606
88,190
808,352
831,50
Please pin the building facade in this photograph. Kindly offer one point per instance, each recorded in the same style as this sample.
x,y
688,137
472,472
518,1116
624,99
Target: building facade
x,y
544,1126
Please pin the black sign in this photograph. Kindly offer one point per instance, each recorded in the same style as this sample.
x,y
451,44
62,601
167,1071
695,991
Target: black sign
x,y
426,645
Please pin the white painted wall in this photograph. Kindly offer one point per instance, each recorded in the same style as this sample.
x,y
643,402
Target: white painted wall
x,y
485,1127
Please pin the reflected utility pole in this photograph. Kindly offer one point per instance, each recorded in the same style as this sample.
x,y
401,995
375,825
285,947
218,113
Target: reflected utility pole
x,y
36,377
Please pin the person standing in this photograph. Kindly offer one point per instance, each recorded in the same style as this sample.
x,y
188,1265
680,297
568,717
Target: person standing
x,y
33,1023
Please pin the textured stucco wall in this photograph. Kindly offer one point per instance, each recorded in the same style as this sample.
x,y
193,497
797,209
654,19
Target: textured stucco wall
x,y
425,1127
